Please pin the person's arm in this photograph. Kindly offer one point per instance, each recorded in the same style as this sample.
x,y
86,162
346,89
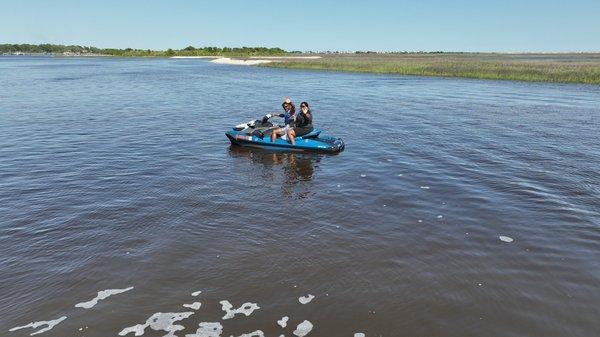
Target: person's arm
x,y
303,119
271,115
276,114
309,118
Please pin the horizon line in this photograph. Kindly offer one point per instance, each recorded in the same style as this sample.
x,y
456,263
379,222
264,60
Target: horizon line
x,y
308,51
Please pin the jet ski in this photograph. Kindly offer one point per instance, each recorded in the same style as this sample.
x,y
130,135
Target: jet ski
x,y
257,133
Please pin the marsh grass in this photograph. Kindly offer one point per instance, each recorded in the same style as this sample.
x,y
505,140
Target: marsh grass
x,y
559,68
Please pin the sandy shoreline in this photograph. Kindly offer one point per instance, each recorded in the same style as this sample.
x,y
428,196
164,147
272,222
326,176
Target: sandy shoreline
x,y
254,60
195,57
227,60
287,57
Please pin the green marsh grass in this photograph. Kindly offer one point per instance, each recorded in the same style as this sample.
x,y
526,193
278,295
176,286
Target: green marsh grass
x,y
559,68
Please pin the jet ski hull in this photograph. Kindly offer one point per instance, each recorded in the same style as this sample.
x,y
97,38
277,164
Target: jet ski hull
x,y
310,142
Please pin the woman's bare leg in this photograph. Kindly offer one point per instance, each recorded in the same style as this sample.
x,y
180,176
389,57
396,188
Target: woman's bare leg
x,y
292,136
274,135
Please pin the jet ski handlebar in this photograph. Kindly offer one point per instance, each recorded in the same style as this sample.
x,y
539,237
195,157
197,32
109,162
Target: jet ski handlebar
x,y
251,123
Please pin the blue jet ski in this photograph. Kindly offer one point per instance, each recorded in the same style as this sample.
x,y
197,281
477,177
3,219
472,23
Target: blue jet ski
x,y
257,133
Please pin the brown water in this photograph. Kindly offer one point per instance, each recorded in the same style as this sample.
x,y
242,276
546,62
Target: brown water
x,y
116,173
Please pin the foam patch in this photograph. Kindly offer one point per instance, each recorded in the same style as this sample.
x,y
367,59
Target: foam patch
x,y
34,325
305,299
257,333
246,309
303,329
103,294
283,321
208,329
159,322
193,306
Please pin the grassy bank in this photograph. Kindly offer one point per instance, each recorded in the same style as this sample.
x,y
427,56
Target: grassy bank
x,y
560,68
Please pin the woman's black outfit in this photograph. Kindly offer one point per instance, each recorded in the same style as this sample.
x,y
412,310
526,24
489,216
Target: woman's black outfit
x,y
303,124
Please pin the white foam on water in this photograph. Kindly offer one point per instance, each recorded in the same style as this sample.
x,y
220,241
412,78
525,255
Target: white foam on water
x,y
305,299
505,238
420,220
399,174
283,321
193,306
246,309
359,334
159,322
303,329
424,187
34,325
208,329
439,216
363,175
257,333
196,293
103,294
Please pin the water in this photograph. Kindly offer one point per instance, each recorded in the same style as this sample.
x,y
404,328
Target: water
x,y
116,173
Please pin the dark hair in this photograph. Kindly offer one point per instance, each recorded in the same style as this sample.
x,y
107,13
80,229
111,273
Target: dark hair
x,y
305,103
292,107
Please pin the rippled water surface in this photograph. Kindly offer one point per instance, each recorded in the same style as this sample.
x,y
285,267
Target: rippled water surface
x,y
115,173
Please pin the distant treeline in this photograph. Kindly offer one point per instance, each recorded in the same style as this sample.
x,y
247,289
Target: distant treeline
x,y
45,49
188,51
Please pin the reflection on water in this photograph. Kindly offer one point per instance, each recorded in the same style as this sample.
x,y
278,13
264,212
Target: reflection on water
x,y
294,170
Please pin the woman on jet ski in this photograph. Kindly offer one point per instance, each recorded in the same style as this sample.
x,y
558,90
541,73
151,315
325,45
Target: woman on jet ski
x,y
302,123
288,117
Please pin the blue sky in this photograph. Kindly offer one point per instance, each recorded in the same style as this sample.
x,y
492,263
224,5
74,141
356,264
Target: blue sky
x,y
428,25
